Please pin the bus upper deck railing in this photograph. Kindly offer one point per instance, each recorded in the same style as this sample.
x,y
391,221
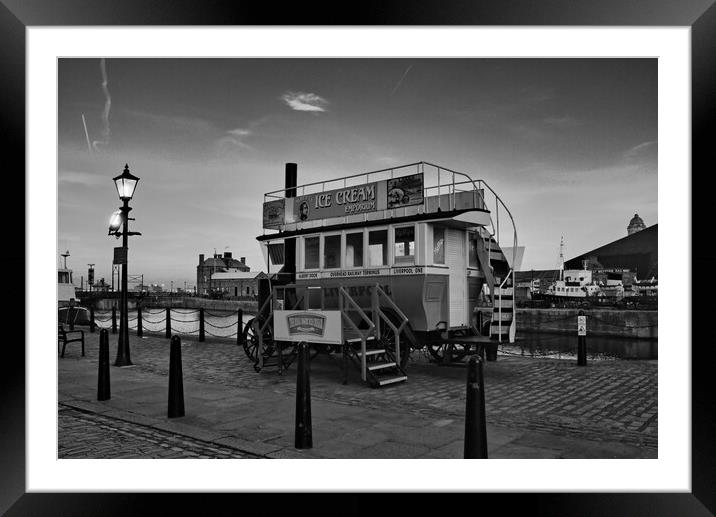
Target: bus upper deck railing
x,y
444,190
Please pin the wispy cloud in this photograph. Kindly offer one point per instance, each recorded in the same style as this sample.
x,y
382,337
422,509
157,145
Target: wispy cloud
x,y
400,81
174,122
302,101
640,149
81,178
107,106
236,137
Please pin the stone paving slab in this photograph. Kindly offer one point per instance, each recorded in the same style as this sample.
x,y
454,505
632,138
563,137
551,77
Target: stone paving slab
x,y
534,407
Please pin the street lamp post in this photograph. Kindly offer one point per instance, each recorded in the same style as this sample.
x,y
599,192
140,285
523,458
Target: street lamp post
x,y
125,183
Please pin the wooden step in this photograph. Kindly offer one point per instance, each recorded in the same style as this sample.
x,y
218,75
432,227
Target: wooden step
x,y
392,380
380,366
374,351
353,340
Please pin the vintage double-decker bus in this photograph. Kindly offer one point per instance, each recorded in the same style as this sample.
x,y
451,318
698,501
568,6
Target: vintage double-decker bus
x,y
377,264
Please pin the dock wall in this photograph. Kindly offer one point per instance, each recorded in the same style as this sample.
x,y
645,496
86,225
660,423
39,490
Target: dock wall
x,y
633,324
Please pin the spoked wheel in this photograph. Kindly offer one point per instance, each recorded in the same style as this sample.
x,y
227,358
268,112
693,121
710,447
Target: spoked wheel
x,y
450,352
387,339
441,351
288,351
251,340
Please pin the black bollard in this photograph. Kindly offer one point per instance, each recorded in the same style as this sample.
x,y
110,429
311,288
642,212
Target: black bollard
x,y
239,329
103,377
92,325
140,330
114,320
168,333
581,344
202,337
304,433
475,425
491,351
176,383
72,314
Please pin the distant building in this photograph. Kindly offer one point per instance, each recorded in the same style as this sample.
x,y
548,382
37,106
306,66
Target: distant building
x,y
635,225
237,283
635,254
216,264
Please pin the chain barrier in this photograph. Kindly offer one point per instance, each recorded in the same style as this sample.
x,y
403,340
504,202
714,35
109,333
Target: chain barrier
x,y
215,335
224,315
163,320
179,311
219,326
162,311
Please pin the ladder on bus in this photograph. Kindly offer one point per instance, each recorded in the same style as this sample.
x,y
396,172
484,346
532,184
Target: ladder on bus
x,y
500,281
368,342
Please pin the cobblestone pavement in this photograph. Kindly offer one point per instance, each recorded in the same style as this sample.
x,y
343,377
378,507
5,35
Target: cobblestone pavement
x,y
90,435
609,400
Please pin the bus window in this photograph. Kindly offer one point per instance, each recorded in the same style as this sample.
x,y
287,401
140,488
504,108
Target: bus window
x,y
405,245
311,252
354,249
438,245
472,253
332,252
378,247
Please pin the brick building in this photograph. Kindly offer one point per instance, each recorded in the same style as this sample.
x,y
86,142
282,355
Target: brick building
x,y
233,284
216,264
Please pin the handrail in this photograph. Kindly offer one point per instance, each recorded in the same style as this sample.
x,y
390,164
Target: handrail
x,y
477,186
377,292
366,174
512,220
343,296
357,307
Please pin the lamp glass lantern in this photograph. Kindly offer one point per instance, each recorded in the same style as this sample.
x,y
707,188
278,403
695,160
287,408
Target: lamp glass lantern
x,y
125,183
115,221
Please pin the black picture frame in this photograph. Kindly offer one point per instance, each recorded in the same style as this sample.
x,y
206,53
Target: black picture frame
x,y
700,15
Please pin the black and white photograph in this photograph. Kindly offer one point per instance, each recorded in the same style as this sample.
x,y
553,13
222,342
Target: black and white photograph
x,y
357,258
430,234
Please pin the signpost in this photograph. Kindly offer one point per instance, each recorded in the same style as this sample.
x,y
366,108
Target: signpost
x,y
581,325
581,339
120,255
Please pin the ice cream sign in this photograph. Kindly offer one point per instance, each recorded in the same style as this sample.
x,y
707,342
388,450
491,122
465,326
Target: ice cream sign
x,y
312,326
336,203
306,323
359,199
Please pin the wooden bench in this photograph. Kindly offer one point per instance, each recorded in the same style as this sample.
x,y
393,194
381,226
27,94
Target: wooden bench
x,y
64,337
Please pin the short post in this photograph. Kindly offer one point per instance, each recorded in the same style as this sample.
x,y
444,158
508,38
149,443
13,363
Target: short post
x,y
202,337
72,314
475,425
168,319
140,330
581,339
176,384
240,328
103,377
114,320
304,434
92,325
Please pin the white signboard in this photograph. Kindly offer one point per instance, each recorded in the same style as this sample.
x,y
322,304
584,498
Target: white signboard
x,y
581,325
310,326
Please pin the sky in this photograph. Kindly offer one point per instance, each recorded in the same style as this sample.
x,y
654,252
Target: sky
x,y
570,145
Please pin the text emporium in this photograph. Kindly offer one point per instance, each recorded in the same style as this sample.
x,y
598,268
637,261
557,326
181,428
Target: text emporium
x,y
355,199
